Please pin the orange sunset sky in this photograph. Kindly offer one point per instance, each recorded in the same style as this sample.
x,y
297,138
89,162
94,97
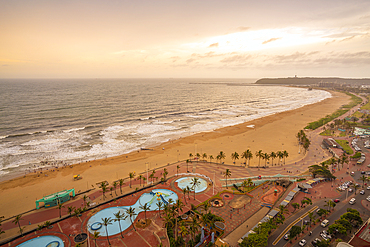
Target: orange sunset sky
x,y
154,38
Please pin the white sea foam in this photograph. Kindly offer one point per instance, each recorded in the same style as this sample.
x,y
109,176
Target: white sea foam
x,y
105,137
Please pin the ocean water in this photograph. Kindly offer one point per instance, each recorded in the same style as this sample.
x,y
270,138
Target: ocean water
x,y
74,120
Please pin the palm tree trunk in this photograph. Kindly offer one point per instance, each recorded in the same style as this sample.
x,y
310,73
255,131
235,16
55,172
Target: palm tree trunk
x,y
106,229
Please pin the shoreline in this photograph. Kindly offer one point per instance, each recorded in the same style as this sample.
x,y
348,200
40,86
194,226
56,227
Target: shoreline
x,y
35,168
275,132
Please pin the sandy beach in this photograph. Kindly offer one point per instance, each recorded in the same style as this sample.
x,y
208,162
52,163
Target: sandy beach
x,y
272,133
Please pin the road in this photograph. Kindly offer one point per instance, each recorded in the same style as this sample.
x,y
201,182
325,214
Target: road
x,y
340,209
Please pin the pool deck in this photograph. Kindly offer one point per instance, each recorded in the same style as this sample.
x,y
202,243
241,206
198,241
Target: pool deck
x,y
233,216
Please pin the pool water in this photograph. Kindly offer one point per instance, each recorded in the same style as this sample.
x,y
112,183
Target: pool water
x,y
182,183
43,241
151,198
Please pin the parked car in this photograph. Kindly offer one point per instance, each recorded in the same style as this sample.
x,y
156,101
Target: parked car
x,y
315,242
368,198
362,192
326,233
286,236
350,190
362,172
336,200
368,188
302,242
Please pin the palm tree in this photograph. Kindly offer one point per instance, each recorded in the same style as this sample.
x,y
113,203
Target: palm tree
x,y
344,159
184,190
159,205
165,172
222,155
70,210
218,158
355,186
120,184
249,156
244,156
280,155
115,187
60,206
194,182
198,156
111,191
283,210
190,156
204,156
131,176
273,155
151,176
245,184
285,153
145,208
187,165
140,177
235,156
177,167
266,157
106,222
259,155
16,221
131,213
183,231
249,182
363,179
312,217
177,207
227,175
84,198
103,186
210,158
118,218
194,226
188,191
96,236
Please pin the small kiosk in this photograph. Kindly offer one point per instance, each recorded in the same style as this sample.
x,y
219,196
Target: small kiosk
x,y
56,198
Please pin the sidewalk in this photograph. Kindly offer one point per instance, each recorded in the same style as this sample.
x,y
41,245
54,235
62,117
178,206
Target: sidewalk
x,y
233,238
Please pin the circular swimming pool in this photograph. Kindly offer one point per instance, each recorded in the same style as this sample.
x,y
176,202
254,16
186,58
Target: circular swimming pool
x,y
152,198
43,241
184,182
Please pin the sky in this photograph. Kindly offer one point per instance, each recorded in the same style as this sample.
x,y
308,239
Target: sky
x,y
184,39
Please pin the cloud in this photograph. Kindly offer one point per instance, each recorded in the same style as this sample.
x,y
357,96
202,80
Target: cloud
x,y
342,35
243,29
270,40
190,60
236,59
213,45
175,58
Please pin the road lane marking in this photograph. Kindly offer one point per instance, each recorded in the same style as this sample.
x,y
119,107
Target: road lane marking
x,y
292,224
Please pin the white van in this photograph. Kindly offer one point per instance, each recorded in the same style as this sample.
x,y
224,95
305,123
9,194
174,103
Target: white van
x,y
352,201
324,223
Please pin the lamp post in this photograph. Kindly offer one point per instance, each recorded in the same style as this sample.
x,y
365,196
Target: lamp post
x,y
147,177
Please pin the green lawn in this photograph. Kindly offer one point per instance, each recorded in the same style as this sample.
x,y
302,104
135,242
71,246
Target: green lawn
x,y
345,146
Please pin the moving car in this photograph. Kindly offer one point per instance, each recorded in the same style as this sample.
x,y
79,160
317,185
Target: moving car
x,y
286,236
368,188
352,201
368,198
336,200
302,242
324,223
362,192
